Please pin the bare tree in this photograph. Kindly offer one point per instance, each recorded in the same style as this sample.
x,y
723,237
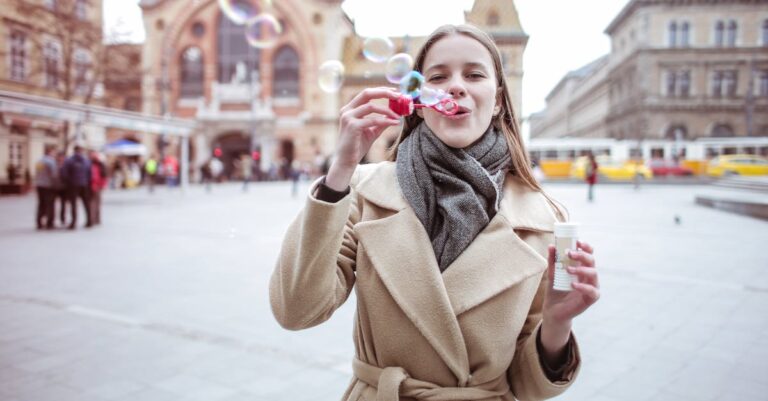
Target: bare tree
x,y
68,55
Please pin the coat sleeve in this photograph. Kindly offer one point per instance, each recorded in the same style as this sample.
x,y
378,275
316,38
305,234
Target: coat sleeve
x,y
315,270
527,376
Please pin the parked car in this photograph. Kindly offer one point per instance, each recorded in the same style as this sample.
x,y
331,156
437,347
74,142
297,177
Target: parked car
x,y
662,167
611,169
727,165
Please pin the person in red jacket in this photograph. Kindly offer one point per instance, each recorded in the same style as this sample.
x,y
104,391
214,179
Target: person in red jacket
x,y
98,183
591,175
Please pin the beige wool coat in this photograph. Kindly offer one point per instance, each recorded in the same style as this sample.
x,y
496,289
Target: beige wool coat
x,y
466,334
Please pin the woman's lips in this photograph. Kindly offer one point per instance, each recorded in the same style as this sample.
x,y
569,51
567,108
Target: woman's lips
x,y
462,114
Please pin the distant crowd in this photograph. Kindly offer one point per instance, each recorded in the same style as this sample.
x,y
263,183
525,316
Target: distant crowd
x,y
65,180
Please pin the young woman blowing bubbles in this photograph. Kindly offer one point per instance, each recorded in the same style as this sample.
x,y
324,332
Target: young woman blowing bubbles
x,y
447,245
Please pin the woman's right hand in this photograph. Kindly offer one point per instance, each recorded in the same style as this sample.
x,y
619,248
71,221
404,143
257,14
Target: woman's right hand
x,y
361,123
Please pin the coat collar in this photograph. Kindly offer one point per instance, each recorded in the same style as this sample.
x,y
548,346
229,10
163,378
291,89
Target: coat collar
x,y
495,261
522,207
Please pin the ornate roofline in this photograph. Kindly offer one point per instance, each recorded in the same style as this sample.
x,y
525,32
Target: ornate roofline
x,y
634,5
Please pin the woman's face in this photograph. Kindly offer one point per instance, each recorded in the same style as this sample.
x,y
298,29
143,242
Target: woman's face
x,y
462,67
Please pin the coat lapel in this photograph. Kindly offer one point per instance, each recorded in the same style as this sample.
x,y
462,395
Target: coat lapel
x,y
410,274
496,260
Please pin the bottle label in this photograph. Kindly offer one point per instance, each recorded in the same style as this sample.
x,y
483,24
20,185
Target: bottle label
x,y
563,279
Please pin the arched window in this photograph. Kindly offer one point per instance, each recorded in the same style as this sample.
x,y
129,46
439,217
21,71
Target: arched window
x,y
719,33
234,49
732,28
722,131
685,34
677,132
191,73
672,34
286,64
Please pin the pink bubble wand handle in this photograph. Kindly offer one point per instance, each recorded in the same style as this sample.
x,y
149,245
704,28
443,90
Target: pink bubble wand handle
x,y
404,106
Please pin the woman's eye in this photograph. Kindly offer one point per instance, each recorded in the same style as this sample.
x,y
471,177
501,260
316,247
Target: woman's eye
x,y
475,75
435,78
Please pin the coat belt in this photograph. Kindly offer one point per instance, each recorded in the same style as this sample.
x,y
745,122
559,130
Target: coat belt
x,y
392,382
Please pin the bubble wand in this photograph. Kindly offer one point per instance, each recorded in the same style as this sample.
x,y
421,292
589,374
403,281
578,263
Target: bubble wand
x,y
404,106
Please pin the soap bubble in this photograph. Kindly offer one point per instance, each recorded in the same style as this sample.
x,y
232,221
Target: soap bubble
x,y
398,67
448,105
378,49
431,96
411,84
331,76
238,11
263,31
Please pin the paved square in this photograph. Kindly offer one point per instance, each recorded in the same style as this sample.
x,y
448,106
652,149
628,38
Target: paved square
x,y
167,300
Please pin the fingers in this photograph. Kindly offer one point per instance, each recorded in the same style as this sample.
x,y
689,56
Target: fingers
x,y
375,123
590,293
370,108
369,94
585,247
587,275
584,258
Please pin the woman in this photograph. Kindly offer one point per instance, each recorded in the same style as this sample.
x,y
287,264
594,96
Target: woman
x,y
446,245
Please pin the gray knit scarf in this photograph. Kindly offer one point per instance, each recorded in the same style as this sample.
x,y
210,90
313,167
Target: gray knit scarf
x,y
454,192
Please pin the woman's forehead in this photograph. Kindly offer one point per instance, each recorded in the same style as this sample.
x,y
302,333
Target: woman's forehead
x,y
457,50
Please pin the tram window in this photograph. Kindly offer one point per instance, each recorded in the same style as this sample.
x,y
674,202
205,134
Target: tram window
x,y
550,154
635,152
535,155
764,151
657,153
730,151
750,150
584,152
712,153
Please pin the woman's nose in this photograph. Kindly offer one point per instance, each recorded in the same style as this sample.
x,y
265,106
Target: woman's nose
x,y
457,89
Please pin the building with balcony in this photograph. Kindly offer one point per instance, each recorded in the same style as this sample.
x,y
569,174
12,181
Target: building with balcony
x,y
677,71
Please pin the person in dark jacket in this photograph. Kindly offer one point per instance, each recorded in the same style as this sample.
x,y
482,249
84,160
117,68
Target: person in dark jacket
x,y
77,176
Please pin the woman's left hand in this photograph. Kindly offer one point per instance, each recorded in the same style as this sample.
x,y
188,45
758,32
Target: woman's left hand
x,y
560,307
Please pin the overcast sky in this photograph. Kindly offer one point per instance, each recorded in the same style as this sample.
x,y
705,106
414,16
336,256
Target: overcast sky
x,y
564,34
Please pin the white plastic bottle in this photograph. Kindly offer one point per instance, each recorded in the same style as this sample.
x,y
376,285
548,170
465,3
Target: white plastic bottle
x,y
566,235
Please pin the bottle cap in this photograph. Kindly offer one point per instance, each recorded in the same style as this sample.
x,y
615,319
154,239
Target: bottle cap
x,y
568,229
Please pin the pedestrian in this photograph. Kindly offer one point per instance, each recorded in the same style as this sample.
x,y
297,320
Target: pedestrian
x,y
206,176
46,175
245,164
171,170
99,181
77,175
446,242
150,169
62,192
217,168
590,175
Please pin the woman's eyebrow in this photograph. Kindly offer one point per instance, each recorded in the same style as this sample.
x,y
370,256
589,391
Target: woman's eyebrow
x,y
472,64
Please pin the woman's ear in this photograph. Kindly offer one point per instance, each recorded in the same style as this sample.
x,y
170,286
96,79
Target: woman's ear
x,y
499,100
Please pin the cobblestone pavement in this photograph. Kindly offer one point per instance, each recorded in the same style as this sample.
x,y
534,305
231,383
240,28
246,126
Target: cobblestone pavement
x,y
167,300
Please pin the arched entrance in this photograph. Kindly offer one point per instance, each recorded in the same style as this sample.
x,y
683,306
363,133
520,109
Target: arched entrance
x,y
232,145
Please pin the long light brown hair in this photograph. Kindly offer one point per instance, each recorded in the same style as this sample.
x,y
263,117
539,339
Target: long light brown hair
x,y
505,120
